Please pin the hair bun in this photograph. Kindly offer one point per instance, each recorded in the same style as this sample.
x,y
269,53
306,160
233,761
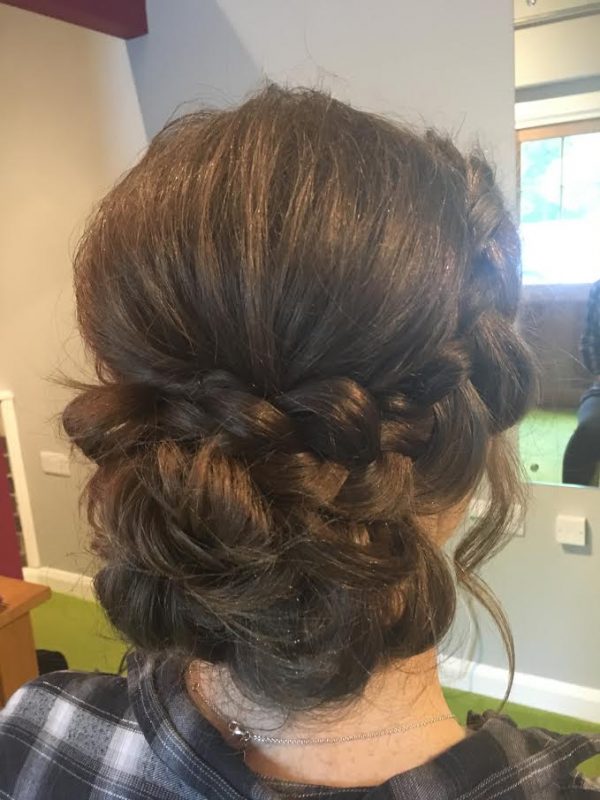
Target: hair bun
x,y
301,317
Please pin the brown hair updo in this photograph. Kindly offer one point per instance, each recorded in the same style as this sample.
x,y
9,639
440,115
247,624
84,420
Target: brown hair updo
x,y
301,317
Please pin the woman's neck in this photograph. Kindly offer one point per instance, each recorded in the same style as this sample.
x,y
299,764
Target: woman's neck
x,y
398,696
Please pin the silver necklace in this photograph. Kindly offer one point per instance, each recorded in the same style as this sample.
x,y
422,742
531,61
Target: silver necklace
x,y
245,736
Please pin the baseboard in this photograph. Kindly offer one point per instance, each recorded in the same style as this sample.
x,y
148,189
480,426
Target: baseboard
x,y
59,580
534,691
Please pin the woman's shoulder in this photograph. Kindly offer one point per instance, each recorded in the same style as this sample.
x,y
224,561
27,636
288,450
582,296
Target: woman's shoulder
x,y
76,735
67,695
535,761
59,729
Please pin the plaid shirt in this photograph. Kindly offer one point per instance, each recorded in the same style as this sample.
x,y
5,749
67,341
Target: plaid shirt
x,y
590,341
71,736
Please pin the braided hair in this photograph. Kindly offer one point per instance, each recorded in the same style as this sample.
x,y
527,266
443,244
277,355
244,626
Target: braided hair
x,y
302,319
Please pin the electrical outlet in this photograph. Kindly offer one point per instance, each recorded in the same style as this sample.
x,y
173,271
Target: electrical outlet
x,y
478,507
55,463
571,530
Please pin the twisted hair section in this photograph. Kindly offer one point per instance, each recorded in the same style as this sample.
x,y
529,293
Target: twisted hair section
x,y
302,319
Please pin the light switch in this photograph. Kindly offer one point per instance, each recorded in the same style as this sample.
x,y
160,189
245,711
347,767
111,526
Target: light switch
x,y
571,530
55,463
477,509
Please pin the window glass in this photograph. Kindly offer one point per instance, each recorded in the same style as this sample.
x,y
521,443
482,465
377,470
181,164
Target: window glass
x,y
560,209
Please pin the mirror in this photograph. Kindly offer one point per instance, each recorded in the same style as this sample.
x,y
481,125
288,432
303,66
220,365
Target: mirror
x,y
558,142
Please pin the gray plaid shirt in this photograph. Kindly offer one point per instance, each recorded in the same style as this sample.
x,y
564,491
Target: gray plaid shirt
x,y
75,736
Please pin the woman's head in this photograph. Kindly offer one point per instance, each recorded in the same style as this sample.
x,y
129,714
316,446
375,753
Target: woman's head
x,y
301,316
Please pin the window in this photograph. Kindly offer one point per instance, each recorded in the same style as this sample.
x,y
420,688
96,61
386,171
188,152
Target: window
x,y
560,203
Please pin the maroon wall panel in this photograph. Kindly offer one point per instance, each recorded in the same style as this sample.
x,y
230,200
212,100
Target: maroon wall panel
x,y
123,18
10,559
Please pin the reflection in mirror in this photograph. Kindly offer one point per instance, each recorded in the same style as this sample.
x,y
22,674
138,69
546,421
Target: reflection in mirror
x,y
560,317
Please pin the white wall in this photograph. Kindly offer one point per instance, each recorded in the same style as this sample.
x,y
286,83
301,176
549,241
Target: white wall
x,y
551,596
557,68
560,51
70,124
447,63
551,593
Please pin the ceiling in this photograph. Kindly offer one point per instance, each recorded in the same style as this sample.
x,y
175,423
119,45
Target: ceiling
x,y
123,18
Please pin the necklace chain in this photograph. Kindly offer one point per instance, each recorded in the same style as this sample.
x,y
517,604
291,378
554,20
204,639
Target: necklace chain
x,y
245,736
